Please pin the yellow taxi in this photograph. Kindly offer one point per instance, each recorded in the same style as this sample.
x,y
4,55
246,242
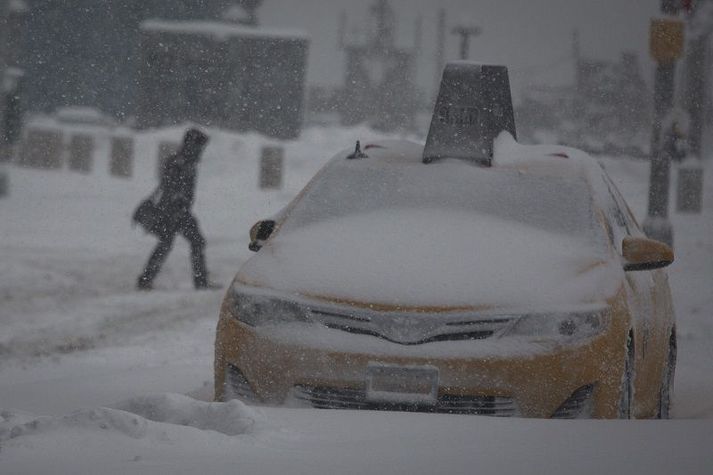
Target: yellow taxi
x,y
520,285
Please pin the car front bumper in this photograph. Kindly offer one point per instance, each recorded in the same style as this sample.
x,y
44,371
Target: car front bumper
x,y
279,366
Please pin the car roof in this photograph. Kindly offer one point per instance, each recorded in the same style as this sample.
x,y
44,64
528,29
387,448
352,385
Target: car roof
x,y
541,160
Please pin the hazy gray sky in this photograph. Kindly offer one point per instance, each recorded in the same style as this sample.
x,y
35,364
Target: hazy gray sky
x,y
526,35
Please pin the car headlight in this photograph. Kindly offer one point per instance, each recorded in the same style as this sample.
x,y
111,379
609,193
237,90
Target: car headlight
x,y
565,325
256,310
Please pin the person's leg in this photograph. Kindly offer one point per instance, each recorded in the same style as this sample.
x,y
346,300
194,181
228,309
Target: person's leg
x,y
191,231
156,260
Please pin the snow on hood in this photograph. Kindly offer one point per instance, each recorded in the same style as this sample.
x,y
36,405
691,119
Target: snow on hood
x,y
391,258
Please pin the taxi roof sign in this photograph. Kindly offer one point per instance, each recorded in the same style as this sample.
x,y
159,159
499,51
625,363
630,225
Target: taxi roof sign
x,y
474,105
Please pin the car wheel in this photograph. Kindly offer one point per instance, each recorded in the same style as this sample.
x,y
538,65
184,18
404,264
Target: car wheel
x,y
667,380
627,383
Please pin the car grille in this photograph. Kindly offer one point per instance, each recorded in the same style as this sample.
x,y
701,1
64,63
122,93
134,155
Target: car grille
x,y
414,329
344,398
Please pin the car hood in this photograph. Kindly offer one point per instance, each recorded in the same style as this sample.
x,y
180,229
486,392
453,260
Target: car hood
x,y
431,258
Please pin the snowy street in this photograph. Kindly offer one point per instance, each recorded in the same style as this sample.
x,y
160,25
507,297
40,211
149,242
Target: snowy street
x,y
96,377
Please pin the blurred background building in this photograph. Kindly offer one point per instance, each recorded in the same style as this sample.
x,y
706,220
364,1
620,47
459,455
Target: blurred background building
x,y
606,109
150,62
378,81
85,53
374,64
221,74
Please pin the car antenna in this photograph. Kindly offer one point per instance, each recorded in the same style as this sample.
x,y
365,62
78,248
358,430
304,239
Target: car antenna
x,y
357,152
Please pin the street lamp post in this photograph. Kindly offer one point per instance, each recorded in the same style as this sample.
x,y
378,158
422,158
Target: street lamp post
x,y
666,44
3,146
690,174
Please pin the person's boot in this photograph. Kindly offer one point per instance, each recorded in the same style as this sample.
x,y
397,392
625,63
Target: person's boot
x,y
200,273
201,282
158,256
144,284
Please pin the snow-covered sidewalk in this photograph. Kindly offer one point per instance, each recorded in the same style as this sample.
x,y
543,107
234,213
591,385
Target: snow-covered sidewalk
x,y
97,378
172,434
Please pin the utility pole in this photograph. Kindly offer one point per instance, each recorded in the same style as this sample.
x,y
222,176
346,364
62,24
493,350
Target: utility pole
x,y
342,30
440,47
4,150
699,26
465,32
4,4
666,44
577,102
418,36
695,91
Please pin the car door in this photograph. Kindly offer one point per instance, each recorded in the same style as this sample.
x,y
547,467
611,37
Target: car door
x,y
651,302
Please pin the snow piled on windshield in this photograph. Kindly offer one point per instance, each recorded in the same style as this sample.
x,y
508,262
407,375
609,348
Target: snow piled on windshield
x,y
430,257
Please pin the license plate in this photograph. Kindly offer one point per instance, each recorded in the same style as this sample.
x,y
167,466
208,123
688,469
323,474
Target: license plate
x,y
405,384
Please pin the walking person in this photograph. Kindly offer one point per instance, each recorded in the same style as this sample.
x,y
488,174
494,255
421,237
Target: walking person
x,y
175,198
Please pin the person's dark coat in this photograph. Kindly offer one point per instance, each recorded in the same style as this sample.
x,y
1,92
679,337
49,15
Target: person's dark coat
x,y
176,193
177,187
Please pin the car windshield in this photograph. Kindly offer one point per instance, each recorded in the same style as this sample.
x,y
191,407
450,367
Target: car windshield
x,y
553,203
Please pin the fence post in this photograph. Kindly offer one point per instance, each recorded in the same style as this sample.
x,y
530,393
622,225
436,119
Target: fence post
x,y
42,148
689,192
122,157
3,181
81,153
271,162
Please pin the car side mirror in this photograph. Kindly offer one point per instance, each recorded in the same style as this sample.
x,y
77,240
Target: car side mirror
x,y
645,254
259,233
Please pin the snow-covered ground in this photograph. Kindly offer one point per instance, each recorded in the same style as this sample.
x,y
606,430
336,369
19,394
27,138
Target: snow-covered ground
x,y
98,378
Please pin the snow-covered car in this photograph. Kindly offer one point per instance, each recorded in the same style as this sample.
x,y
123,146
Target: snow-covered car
x,y
522,286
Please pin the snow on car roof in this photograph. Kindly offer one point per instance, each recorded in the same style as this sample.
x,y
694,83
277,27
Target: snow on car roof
x,y
555,160
545,159
535,160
